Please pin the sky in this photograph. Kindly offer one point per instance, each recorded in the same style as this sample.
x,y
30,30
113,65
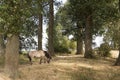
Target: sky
x,y
63,1
98,40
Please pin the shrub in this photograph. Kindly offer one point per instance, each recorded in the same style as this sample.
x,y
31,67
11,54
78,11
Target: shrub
x,y
104,50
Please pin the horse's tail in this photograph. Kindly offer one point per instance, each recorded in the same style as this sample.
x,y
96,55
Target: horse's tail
x,y
47,55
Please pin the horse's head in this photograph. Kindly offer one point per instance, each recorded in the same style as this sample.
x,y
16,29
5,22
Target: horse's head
x,y
48,56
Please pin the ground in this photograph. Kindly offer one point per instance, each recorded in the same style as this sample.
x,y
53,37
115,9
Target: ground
x,y
72,67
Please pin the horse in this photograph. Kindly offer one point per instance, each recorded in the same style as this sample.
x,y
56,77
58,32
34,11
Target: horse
x,y
43,55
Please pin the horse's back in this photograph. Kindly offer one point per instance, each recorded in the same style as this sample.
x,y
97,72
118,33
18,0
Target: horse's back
x,y
39,53
32,53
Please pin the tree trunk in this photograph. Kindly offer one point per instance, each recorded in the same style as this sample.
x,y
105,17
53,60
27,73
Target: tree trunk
x,y
12,56
79,40
79,46
2,46
88,38
117,63
40,32
50,29
119,5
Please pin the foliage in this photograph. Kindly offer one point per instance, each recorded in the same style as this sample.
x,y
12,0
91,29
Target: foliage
x,y
112,34
102,12
17,17
72,12
14,15
104,50
61,42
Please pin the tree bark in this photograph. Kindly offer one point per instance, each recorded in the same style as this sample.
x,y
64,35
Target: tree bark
x,y
50,29
12,56
88,38
117,63
79,46
2,46
79,40
40,32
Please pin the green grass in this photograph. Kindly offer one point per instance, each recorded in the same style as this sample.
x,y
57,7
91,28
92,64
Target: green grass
x,y
23,59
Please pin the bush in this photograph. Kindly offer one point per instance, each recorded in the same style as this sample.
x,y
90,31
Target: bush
x,y
61,49
104,50
64,46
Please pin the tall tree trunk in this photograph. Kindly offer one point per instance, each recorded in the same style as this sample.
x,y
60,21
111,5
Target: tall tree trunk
x,y
88,37
50,29
40,28
2,46
79,46
119,5
79,40
12,56
117,63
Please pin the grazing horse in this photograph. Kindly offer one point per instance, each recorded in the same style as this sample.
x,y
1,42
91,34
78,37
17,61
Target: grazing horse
x,y
43,55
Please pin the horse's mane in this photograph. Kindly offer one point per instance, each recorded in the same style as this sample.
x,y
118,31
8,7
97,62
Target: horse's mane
x,y
47,55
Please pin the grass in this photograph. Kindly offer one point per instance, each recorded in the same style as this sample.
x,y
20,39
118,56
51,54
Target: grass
x,y
85,74
69,67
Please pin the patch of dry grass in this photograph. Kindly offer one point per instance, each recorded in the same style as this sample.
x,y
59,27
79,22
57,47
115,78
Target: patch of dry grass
x,y
72,67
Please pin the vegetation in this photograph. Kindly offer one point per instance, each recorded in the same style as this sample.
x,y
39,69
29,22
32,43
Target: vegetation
x,y
104,50
72,67
22,20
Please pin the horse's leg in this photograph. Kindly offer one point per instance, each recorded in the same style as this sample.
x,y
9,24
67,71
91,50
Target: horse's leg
x,y
40,60
30,59
48,60
45,59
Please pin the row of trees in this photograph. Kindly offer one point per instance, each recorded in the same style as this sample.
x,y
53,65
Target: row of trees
x,y
87,18
21,19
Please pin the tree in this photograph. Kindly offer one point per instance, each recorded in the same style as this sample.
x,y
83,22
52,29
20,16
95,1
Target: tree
x,y
118,40
70,26
14,17
111,27
62,43
40,26
50,29
117,63
11,56
79,39
118,59
92,15
88,37
112,37
2,45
